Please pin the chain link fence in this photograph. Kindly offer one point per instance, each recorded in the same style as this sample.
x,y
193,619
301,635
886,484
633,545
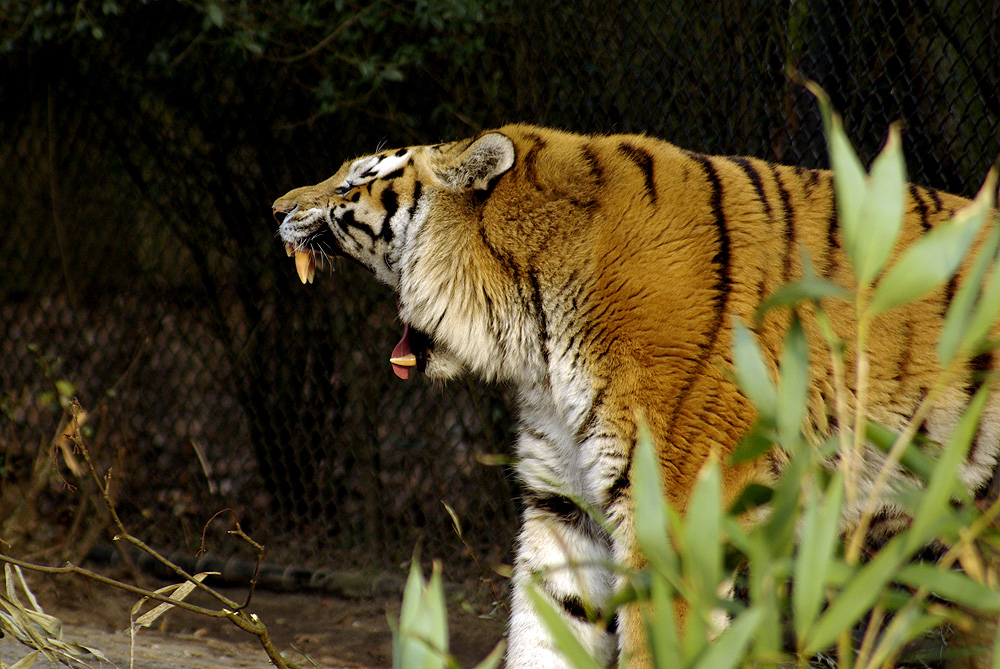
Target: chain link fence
x,y
141,146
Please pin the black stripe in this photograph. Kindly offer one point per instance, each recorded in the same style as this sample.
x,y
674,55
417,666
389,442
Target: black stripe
x,y
575,608
754,177
529,167
723,283
417,187
950,289
590,420
921,206
644,161
400,153
721,258
390,202
832,236
347,220
922,430
811,181
935,198
559,506
539,309
616,491
596,170
788,216
573,605
980,366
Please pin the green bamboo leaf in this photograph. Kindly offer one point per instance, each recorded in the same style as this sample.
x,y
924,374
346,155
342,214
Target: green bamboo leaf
x,y
927,264
905,626
850,188
781,525
944,482
702,529
858,596
752,445
954,334
820,529
985,314
435,618
953,586
869,209
562,635
729,649
793,393
883,209
913,457
422,638
407,651
412,592
752,373
651,517
662,625
809,288
807,591
752,497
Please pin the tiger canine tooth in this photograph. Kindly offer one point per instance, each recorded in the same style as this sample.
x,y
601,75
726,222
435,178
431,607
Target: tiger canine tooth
x,y
305,266
290,250
408,360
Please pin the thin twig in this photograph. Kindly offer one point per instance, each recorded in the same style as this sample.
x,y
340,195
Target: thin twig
x,y
232,611
242,535
70,568
124,534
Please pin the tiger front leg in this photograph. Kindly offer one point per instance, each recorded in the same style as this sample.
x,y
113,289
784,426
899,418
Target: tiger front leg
x,y
564,555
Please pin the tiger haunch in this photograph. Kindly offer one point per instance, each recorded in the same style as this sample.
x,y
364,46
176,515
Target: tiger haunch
x,y
600,275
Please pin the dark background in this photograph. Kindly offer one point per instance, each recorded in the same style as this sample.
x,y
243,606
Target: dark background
x,y
141,144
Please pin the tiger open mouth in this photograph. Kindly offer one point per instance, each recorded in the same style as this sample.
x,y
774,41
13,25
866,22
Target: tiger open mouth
x,y
409,353
321,241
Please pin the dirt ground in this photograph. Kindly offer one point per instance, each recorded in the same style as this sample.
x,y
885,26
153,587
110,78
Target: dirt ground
x,y
311,630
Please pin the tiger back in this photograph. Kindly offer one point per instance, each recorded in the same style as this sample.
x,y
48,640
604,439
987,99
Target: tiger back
x,y
600,277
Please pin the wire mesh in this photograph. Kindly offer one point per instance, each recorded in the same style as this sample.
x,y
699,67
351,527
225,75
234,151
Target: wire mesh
x,y
139,264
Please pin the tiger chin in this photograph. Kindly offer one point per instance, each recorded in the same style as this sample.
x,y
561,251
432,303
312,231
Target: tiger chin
x,y
600,276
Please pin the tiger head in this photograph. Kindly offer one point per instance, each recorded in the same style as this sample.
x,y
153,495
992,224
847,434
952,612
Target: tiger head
x,y
373,211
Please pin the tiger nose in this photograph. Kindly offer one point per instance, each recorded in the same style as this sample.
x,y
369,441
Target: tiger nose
x,y
279,214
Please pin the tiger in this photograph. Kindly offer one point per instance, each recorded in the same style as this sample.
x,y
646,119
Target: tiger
x,y
599,276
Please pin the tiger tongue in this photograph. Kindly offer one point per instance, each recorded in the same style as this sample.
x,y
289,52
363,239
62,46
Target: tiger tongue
x,y
403,358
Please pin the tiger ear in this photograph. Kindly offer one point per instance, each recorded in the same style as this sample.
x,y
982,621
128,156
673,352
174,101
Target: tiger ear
x,y
483,162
